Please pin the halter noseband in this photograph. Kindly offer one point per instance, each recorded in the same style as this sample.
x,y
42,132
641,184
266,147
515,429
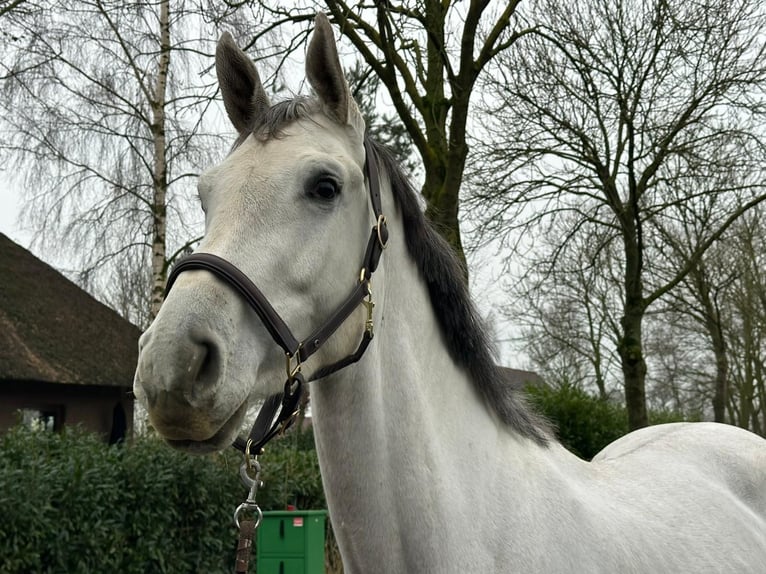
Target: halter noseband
x,y
266,426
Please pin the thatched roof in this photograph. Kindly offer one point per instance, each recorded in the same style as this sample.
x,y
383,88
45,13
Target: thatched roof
x,y
53,331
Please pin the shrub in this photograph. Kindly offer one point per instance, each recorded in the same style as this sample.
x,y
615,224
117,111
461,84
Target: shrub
x,y
291,474
71,504
585,423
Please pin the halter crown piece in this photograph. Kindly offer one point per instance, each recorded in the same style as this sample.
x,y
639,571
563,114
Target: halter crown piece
x,y
285,405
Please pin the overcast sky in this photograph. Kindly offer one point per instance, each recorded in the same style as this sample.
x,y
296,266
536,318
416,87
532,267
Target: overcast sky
x,y
10,206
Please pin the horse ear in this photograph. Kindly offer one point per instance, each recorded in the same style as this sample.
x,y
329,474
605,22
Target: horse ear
x,y
325,75
243,95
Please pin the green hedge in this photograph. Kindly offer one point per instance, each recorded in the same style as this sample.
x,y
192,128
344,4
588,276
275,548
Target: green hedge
x,y
71,504
585,423
291,474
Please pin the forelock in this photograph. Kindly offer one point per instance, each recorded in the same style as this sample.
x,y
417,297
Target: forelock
x,y
273,123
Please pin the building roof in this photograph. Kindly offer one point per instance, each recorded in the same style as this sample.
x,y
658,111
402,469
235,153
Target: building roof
x,y
53,331
518,379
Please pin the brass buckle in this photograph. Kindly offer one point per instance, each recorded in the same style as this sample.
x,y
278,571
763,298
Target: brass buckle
x,y
250,460
292,371
369,304
285,424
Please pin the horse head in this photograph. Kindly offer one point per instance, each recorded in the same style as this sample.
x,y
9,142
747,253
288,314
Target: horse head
x,y
289,208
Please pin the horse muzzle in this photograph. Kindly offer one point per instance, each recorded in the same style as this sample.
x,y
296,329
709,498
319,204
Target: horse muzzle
x,y
180,388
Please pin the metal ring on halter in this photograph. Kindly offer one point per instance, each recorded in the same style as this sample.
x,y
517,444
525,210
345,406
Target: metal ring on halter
x,y
378,226
248,506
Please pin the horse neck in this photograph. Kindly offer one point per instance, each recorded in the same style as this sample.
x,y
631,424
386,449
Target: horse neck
x,y
406,382
403,436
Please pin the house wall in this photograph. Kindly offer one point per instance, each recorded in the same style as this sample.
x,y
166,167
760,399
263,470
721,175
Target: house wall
x,y
88,405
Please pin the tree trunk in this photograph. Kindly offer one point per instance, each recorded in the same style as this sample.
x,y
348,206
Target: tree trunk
x,y
416,74
444,159
759,425
748,375
721,391
600,382
633,368
442,191
630,345
714,328
160,183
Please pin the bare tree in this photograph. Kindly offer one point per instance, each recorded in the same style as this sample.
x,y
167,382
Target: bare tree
x,y
705,337
106,107
702,294
428,55
680,372
744,326
608,110
383,126
566,305
10,6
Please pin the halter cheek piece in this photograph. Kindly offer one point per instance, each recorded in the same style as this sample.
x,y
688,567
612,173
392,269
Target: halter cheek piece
x,y
266,426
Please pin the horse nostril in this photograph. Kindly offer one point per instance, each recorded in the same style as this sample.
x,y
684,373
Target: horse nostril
x,y
207,363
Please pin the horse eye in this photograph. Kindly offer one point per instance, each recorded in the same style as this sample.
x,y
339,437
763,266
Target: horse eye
x,y
326,189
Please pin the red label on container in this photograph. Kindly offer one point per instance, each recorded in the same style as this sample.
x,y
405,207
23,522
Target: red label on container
x,y
298,521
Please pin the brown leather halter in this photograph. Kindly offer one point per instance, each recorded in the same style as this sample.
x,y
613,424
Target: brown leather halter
x,y
266,426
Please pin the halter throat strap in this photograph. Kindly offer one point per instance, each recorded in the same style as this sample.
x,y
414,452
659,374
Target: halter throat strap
x,y
285,405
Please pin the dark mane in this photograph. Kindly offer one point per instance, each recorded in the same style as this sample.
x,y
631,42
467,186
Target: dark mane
x,y
462,328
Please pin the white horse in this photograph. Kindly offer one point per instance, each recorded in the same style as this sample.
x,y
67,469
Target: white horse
x,y
429,463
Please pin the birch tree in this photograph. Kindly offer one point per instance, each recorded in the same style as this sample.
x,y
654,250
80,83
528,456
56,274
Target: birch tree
x,y
106,115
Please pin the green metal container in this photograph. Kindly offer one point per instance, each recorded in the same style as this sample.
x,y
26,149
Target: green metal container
x,y
291,542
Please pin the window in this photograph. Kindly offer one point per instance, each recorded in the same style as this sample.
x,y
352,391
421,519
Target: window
x,y
47,420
